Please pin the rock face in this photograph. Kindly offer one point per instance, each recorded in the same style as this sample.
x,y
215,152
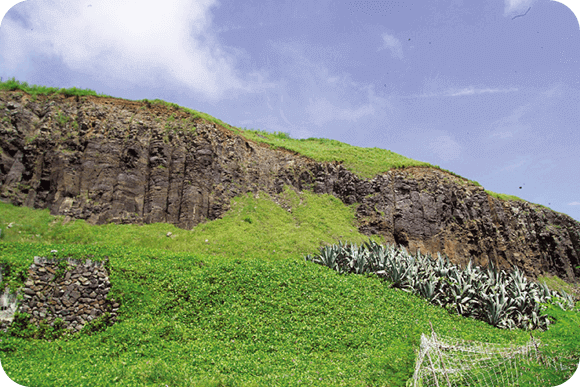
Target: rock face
x,y
109,160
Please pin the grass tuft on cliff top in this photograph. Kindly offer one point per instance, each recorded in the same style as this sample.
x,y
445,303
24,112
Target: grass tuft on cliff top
x,y
233,303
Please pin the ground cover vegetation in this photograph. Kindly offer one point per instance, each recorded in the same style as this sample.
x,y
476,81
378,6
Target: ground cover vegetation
x,y
233,302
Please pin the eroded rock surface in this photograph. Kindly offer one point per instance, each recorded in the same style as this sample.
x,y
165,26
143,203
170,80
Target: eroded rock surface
x,y
111,160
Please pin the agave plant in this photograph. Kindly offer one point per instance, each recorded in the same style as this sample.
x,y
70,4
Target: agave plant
x,y
504,300
430,288
535,315
359,263
518,278
495,276
378,260
373,247
328,257
462,293
381,259
396,272
471,273
441,267
564,300
497,307
544,293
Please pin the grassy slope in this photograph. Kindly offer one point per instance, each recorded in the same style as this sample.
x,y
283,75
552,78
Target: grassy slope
x,y
243,308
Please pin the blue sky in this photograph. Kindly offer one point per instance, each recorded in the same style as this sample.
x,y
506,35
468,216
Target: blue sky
x,y
487,89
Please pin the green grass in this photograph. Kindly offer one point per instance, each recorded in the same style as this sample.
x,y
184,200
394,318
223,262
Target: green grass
x,y
242,309
13,85
232,302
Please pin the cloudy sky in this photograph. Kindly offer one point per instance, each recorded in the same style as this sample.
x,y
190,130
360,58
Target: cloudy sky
x,y
487,89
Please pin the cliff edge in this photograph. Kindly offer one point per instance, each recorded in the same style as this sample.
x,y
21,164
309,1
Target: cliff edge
x,y
112,160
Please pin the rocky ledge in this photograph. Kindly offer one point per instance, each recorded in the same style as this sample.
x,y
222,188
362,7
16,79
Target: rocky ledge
x,y
111,160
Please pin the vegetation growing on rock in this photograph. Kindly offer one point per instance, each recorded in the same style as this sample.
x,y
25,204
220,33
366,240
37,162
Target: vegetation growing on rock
x,y
204,227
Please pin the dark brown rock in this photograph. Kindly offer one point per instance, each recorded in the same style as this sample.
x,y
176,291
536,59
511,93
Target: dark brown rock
x,y
110,170
29,291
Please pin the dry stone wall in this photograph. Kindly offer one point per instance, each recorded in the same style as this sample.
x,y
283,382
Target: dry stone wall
x,y
70,290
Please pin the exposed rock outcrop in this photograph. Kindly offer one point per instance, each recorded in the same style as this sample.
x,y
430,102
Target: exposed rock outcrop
x,y
109,160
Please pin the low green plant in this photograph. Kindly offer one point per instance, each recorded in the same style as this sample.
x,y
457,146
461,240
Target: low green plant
x,y
232,302
34,90
14,272
62,268
97,325
62,119
21,327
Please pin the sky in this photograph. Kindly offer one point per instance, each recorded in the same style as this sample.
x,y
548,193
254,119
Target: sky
x,y
487,89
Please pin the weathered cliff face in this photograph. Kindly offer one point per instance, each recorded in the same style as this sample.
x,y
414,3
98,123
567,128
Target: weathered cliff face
x,y
108,160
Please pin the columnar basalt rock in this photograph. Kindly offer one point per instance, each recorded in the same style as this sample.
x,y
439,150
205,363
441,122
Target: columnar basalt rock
x,y
108,160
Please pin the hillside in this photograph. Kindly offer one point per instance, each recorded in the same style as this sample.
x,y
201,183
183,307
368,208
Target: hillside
x,y
104,160
203,230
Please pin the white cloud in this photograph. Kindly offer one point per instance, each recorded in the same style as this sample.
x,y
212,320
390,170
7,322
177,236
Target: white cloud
x,y
284,117
393,44
454,92
471,91
516,165
322,111
445,147
517,6
136,41
507,126
574,204
315,94
441,86
502,135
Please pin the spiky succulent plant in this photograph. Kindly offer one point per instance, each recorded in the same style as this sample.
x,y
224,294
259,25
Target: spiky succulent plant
x,y
505,300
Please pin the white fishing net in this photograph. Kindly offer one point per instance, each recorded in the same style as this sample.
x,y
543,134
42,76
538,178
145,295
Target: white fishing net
x,y
446,362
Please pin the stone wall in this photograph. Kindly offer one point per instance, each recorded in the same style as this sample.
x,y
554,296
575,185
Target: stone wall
x,y
70,290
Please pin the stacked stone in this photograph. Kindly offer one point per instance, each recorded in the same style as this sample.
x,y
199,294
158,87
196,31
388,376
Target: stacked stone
x,y
76,295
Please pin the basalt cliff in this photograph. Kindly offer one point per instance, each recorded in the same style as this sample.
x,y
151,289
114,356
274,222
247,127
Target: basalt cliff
x,y
112,160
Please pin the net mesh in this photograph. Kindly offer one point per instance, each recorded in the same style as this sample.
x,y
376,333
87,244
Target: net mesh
x,y
446,362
